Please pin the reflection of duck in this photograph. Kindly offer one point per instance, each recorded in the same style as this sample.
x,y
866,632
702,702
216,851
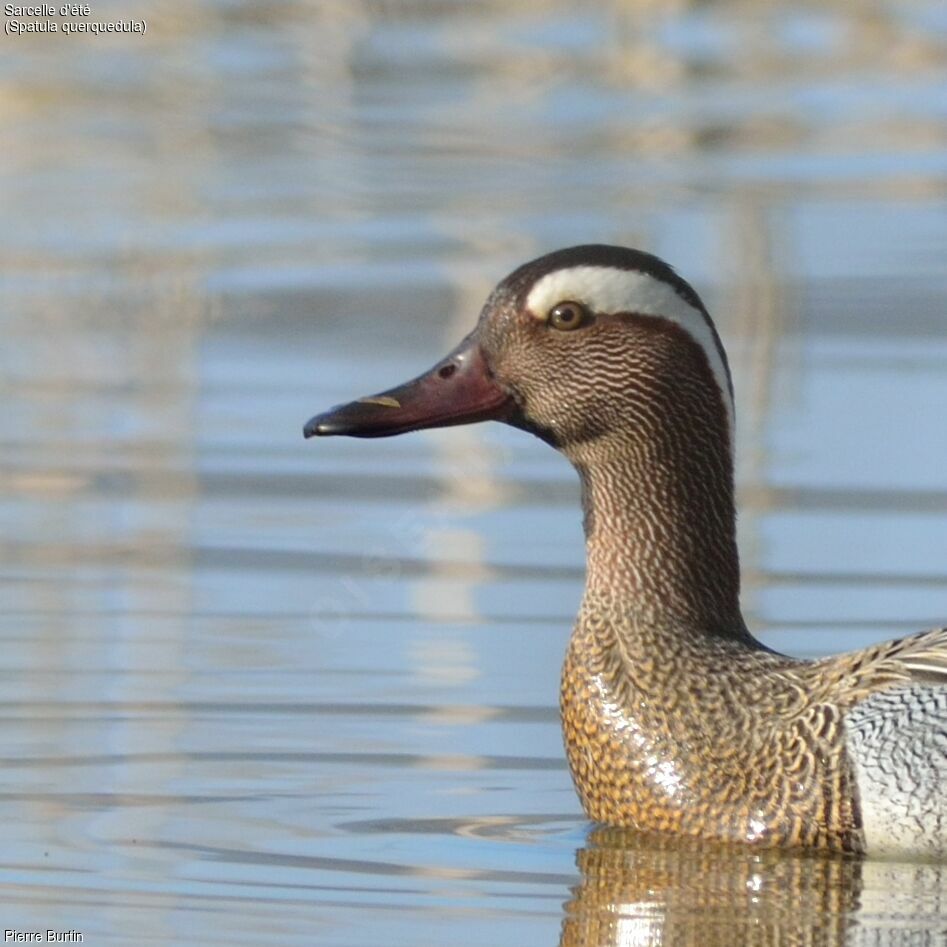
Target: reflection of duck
x,y
675,717
638,889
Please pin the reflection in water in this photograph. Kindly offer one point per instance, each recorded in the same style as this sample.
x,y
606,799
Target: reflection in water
x,y
637,891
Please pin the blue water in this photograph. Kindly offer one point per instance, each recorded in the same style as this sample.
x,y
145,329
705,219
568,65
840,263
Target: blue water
x,y
257,690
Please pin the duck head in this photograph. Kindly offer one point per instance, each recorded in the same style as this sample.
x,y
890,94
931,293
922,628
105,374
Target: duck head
x,y
585,347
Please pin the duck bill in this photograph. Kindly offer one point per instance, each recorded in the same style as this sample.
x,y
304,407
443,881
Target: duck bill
x,y
460,389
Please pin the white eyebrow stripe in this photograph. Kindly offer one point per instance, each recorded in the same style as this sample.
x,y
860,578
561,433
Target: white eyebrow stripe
x,y
609,291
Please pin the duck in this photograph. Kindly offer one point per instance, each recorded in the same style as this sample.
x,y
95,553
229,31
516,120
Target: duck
x,y
676,720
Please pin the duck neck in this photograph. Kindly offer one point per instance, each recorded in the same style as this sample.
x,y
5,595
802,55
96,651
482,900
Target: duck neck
x,y
660,531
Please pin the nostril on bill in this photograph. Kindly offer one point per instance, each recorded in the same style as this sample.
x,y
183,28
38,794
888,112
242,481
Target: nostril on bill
x,y
445,371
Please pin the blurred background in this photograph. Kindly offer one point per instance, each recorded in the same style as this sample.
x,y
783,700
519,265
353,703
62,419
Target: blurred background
x,y
256,690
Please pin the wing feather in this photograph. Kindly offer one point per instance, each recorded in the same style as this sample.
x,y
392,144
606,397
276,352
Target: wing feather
x,y
924,656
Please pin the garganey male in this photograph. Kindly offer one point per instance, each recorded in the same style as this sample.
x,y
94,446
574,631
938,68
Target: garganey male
x,y
675,718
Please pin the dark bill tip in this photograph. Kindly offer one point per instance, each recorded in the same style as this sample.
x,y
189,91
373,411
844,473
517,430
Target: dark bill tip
x,y
322,425
359,419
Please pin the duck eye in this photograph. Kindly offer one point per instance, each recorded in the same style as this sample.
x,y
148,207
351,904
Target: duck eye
x,y
567,316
